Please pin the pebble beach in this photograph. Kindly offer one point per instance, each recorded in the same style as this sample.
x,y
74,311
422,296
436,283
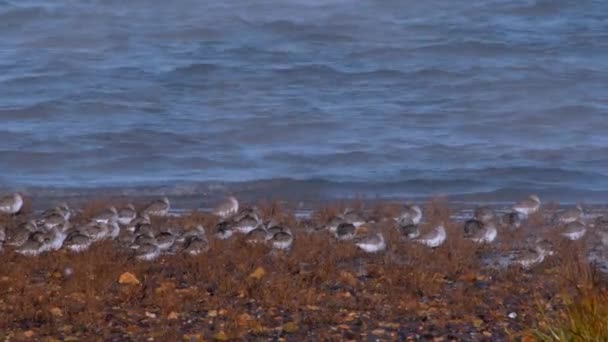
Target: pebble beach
x,y
128,269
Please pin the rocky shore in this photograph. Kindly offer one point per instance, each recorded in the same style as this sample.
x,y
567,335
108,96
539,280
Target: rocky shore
x,y
281,276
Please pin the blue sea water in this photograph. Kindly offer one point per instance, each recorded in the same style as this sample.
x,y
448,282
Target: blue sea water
x,y
478,99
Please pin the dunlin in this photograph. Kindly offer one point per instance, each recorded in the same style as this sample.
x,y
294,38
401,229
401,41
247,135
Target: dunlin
x,y
353,218
574,230
147,252
372,244
18,236
95,231
258,235
410,230
434,238
527,206
158,207
334,223
533,256
51,221
224,230
113,229
570,215
31,247
274,227
126,238
143,239
64,210
228,208
196,245
198,231
512,220
2,234
11,204
165,240
143,219
282,240
484,214
345,231
145,229
106,216
53,240
411,214
247,223
77,242
127,214
603,234
487,234
472,227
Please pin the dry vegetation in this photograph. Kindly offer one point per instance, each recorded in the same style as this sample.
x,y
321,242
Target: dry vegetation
x,y
321,289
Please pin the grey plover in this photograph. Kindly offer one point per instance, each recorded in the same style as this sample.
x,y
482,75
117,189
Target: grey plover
x,y
53,240
512,220
573,230
603,234
164,240
17,236
282,240
143,239
107,215
11,204
258,235
113,229
127,214
143,219
51,220
196,245
352,217
527,206
570,215
484,214
77,242
333,224
95,231
530,257
247,223
147,252
434,238
410,230
227,208
487,234
472,227
411,214
345,231
158,207
224,230
372,244
31,247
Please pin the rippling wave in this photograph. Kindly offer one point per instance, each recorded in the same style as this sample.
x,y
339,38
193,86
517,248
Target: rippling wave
x,y
320,99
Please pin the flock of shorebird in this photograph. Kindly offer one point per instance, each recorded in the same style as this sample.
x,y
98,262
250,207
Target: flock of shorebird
x,y
53,230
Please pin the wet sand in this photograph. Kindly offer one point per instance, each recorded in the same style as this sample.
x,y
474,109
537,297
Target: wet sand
x,y
322,289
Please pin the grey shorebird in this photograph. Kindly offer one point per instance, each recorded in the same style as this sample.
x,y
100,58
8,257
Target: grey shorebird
x,y
411,214
11,204
158,207
527,258
373,243
127,214
527,206
434,238
570,215
573,230
227,208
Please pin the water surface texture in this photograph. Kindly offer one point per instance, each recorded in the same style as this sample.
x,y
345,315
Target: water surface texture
x,y
376,98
